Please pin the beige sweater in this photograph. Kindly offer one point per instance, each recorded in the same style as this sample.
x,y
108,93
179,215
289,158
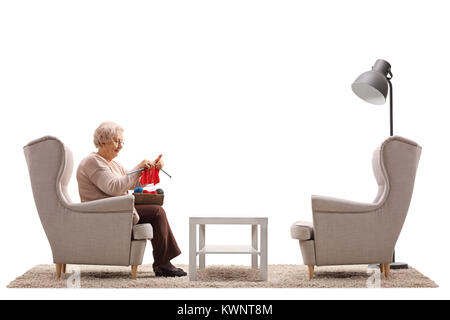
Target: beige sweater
x,y
98,178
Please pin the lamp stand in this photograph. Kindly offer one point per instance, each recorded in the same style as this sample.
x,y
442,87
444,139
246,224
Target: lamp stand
x,y
393,265
391,105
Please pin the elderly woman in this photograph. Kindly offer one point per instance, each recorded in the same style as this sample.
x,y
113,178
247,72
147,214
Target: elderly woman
x,y
99,176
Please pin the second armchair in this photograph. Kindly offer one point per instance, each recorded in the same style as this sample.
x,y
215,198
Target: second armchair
x,y
346,232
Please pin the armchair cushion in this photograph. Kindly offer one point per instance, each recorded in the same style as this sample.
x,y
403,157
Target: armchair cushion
x,y
302,231
107,205
143,231
329,204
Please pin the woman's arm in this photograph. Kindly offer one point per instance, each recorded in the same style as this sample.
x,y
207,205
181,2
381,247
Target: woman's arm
x,y
109,182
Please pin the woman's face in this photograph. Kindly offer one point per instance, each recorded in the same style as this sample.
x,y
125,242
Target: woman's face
x,y
112,148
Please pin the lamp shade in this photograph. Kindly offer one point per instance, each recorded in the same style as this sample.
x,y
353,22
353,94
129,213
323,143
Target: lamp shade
x,y
372,86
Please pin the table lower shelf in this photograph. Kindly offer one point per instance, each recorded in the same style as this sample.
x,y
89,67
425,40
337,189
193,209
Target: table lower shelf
x,y
224,249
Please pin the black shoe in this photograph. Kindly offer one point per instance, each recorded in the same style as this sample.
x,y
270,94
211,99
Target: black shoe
x,y
161,272
156,267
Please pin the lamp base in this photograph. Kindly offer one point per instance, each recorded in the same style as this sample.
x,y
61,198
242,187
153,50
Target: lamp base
x,y
393,265
398,265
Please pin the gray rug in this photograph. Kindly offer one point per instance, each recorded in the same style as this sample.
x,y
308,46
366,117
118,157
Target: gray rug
x,y
218,276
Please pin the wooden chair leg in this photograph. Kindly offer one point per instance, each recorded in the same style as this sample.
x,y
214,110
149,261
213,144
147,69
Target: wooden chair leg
x,y
381,268
134,272
63,269
311,271
387,269
58,270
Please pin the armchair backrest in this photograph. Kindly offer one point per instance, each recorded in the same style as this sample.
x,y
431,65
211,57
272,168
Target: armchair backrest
x,y
395,164
50,166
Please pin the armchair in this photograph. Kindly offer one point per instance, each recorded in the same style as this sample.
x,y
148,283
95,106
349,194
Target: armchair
x,y
98,232
346,232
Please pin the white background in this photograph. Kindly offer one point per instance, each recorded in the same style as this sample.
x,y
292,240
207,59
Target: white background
x,y
250,104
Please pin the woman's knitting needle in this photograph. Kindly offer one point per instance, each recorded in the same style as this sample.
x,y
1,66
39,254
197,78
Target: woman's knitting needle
x,y
144,169
135,171
166,173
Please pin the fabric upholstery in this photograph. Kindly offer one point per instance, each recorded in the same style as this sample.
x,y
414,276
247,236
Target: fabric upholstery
x,y
348,232
137,252
380,178
302,230
143,231
97,232
308,252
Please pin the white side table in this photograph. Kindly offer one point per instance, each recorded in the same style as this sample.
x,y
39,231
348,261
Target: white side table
x,y
202,249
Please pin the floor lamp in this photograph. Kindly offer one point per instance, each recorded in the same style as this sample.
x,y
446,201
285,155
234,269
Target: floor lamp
x,y
373,86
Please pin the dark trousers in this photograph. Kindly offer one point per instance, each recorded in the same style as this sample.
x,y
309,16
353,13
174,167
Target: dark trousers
x,y
165,247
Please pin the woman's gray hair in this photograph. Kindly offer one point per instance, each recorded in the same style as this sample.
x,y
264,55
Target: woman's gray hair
x,y
106,132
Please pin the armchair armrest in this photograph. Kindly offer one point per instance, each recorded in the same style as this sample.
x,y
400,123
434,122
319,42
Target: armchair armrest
x,y
329,204
107,205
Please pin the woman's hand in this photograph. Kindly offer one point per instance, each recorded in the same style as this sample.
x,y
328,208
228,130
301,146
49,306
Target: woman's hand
x,y
158,163
145,164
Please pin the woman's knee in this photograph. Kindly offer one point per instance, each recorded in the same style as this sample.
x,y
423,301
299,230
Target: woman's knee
x,y
161,213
